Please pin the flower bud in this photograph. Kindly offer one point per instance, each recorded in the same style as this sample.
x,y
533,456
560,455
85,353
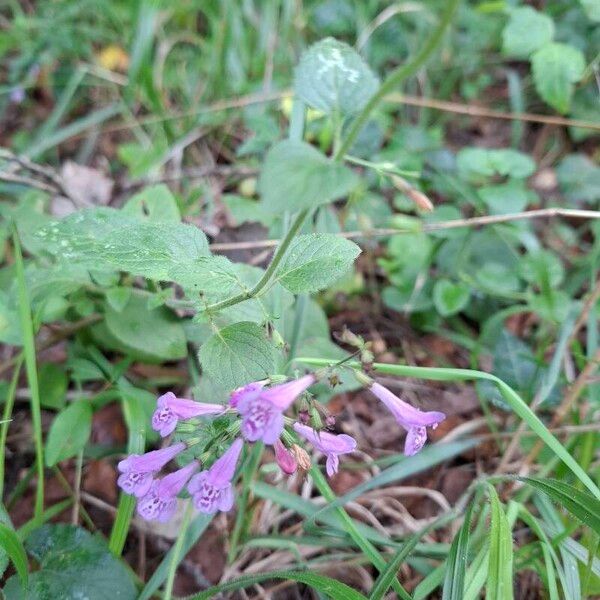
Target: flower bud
x,y
285,459
302,457
303,416
419,198
330,421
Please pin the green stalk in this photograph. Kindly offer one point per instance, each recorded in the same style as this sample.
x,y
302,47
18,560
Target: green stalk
x,y
6,414
397,76
31,369
175,560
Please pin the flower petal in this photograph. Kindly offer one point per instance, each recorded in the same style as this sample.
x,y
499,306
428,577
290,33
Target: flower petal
x,y
151,461
246,393
223,469
170,485
415,440
283,395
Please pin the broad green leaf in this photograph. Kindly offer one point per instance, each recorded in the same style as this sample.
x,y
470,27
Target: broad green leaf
x,y
108,239
457,562
325,585
526,31
500,576
332,77
579,503
592,9
478,165
510,197
450,298
53,385
315,261
73,564
118,297
497,278
556,68
238,354
579,179
155,203
542,268
156,333
12,545
69,432
296,176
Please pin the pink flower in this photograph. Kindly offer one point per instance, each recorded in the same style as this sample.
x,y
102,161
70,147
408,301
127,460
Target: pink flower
x,y
211,490
329,444
170,409
262,410
412,419
137,470
160,502
286,461
251,390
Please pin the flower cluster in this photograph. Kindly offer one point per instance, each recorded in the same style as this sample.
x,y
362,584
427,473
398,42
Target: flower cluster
x,y
261,409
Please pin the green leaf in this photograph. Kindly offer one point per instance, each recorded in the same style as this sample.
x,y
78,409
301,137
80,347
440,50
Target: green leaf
x,y
315,261
497,278
500,577
69,432
542,268
579,179
10,542
118,297
238,354
579,503
156,333
526,31
73,564
591,9
108,239
450,298
156,203
478,165
296,176
330,587
53,385
457,563
510,197
556,68
332,77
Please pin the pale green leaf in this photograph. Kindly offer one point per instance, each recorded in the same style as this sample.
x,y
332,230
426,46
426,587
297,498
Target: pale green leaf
x,y
315,261
332,77
238,354
69,432
478,165
556,68
526,31
156,203
296,176
500,577
450,298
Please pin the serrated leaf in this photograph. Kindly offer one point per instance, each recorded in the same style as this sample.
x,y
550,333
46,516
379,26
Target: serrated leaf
x,y
556,68
209,276
69,432
73,564
315,261
238,354
331,77
526,31
107,239
579,503
156,332
296,176
499,581
450,298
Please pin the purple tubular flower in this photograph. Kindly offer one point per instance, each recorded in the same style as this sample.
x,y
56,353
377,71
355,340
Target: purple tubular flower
x,y
160,502
329,444
137,469
285,459
249,391
415,421
262,411
170,409
211,490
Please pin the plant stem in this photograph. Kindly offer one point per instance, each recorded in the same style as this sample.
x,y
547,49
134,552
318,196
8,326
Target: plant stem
x,y
6,414
31,369
176,552
398,76
277,257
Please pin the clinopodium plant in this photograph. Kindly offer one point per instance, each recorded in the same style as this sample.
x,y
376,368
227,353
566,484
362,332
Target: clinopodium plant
x,y
256,412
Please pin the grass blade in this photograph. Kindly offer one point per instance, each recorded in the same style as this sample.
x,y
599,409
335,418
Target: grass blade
x,y
332,588
6,418
10,541
499,580
31,369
